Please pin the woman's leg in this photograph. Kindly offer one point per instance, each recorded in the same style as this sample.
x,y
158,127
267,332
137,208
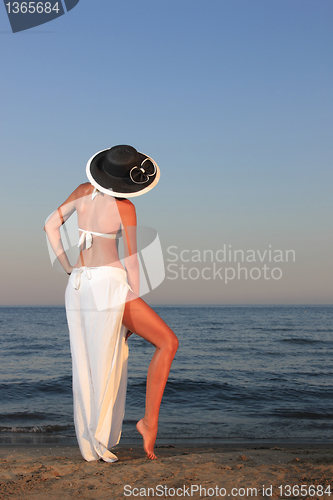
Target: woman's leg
x,y
141,319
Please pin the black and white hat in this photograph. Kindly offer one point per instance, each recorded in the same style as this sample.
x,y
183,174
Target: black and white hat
x,y
123,172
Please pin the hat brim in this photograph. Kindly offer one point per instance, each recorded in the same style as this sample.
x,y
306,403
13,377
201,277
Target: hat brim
x,y
117,187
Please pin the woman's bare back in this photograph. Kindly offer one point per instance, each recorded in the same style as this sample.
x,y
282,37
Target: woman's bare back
x,y
101,215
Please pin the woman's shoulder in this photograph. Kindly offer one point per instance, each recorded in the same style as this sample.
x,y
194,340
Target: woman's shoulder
x,y
81,191
124,202
126,210
84,189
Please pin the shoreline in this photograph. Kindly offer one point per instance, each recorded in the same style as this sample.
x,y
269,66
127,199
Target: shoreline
x,y
41,439
32,472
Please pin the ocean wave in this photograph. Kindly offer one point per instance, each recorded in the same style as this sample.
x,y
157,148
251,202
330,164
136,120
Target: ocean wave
x,y
294,340
192,393
269,329
299,414
59,385
36,429
23,416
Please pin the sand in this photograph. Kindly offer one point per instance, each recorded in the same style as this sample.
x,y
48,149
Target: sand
x,y
58,472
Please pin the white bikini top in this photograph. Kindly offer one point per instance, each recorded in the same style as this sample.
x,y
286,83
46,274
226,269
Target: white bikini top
x,y
86,236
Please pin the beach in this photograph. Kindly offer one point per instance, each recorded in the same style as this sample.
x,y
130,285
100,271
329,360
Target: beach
x,y
250,470
247,408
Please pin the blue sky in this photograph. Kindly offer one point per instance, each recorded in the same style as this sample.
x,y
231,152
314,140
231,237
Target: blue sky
x,y
232,98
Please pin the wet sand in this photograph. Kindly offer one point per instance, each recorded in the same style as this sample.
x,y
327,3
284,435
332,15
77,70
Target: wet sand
x,y
58,472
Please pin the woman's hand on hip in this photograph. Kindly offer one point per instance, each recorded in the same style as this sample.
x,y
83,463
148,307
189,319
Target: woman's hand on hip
x,y
69,271
128,334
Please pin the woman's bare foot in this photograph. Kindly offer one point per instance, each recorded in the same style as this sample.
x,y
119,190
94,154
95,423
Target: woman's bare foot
x,y
149,438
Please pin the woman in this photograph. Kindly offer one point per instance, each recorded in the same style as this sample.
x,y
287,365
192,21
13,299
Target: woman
x,y
102,302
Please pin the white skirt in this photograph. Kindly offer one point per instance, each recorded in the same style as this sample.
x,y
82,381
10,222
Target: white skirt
x,y
95,300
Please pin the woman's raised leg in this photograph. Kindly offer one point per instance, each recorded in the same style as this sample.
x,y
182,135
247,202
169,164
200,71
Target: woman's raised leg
x,y
145,322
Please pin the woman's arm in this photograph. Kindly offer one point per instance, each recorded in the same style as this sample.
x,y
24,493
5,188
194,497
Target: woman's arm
x,y
129,223
52,229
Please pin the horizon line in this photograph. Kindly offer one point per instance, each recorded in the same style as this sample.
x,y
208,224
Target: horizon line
x,y
187,305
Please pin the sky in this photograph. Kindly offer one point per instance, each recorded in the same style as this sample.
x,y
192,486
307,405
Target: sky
x,y
232,99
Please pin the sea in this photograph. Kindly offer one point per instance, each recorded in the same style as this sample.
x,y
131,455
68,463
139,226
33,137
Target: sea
x,y
241,373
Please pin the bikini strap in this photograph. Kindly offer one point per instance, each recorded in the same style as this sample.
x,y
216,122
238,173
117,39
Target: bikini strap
x,y
94,193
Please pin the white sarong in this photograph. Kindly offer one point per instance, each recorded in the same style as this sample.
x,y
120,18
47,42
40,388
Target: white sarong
x,y
95,300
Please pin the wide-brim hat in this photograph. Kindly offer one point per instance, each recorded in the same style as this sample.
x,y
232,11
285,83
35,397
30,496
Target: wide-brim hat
x,y
122,171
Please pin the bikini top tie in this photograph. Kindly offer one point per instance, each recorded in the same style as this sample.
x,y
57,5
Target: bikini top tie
x,y
87,237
